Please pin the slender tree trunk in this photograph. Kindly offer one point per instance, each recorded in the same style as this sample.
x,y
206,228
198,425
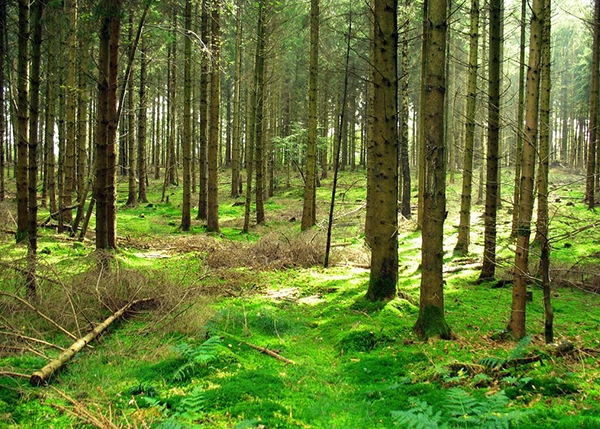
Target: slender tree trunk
x,y
384,188
258,117
50,168
371,204
213,135
520,119
186,219
22,121
310,191
464,228
3,31
594,107
404,113
142,124
521,272
83,100
131,140
71,117
203,111
32,170
493,148
431,321
236,151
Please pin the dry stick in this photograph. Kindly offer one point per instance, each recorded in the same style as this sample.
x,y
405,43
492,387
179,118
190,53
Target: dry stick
x,y
41,376
35,340
24,271
83,413
269,352
13,374
39,313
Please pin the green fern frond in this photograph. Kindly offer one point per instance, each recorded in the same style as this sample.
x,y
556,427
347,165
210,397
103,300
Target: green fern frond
x,y
196,357
492,362
520,349
422,416
193,404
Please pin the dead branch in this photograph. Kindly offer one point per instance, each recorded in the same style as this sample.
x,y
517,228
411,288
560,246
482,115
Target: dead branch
x,y
269,352
57,213
39,313
13,374
41,376
24,271
35,340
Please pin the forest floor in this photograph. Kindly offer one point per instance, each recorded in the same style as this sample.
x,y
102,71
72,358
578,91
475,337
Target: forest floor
x,y
249,331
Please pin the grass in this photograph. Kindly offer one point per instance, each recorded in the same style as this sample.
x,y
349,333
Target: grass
x,y
358,364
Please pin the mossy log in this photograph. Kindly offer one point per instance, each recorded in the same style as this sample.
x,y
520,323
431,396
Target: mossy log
x,y
40,377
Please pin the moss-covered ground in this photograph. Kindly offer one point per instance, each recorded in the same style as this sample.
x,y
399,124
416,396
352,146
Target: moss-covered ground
x,y
192,359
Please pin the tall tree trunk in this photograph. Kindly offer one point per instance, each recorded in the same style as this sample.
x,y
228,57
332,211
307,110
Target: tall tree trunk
x,y
431,321
131,141
213,133
384,151
594,107
32,170
22,121
491,183
186,206
310,191
370,218
106,126
50,168
142,124
203,113
236,151
3,31
83,99
520,119
71,91
521,273
542,178
404,116
258,117
464,227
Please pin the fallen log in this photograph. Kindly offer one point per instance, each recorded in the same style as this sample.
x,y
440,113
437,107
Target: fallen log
x,y
40,377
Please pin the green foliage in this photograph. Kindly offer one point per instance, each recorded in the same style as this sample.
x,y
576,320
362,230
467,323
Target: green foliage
x,y
196,357
461,410
520,351
363,340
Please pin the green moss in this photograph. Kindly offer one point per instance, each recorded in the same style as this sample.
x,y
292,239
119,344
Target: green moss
x,y
432,323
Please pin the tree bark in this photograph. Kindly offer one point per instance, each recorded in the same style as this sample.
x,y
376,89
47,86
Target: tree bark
x,y
493,147
186,206
203,113
464,227
142,124
213,134
3,30
594,108
521,273
384,152
431,321
310,190
22,121
43,375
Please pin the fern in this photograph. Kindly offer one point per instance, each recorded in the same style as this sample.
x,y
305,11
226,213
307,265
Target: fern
x,y
193,404
520,350
422,416
196,357
461,410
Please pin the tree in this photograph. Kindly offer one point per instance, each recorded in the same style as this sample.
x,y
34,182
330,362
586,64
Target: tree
x,y
493,147
187,119
212,158
22,121
464,228
2,83
594,109
236,149
431,321
384,153
142,122
203,116
404,117
107,125
310,192
131,138
521,273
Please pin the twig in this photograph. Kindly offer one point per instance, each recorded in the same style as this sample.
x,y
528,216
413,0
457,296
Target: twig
x,y
269,352
13,374
35,340
24,271
39,313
